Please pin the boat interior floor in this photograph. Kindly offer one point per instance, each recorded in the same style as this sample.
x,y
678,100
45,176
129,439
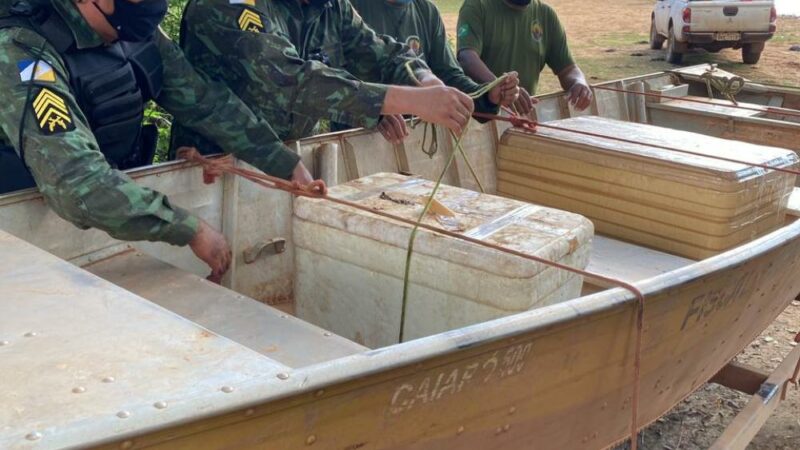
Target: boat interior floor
x,y
273,333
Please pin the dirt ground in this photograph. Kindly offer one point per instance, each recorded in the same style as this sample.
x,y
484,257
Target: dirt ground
x,y
700,419
608,48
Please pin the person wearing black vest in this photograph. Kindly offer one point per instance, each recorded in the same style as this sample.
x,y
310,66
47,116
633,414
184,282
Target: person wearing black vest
x,y
75,78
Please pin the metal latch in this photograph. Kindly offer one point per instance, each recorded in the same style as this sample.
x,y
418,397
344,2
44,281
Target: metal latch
x,y
264,248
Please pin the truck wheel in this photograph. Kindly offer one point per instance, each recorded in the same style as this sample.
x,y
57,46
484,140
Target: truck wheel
x,y
656,40
674,54
751,53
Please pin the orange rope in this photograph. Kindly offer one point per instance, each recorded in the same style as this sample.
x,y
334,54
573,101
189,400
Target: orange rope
x,y
213,168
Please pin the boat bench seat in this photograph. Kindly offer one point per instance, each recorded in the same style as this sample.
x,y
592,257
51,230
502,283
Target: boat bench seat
x,y
716,107
275,334
627,262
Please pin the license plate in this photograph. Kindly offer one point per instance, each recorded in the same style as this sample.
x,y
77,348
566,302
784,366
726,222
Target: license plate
x,y
728,36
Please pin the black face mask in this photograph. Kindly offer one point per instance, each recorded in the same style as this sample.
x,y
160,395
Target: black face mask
x,y
318,2
520,2
136,22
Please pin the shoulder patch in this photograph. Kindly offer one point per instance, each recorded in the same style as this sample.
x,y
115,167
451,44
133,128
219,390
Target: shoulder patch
x,y
44,71
463,30
249,20
52,112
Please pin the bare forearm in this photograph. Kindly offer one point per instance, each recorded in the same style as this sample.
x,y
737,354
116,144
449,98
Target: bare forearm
x,y
474,67
570,76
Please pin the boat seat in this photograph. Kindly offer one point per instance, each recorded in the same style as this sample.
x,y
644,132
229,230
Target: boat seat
x,y
627,262
793,209
715,107
275,334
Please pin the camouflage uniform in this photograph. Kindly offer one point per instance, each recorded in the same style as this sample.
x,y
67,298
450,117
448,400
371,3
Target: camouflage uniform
x,y
295,64
62,152
419,24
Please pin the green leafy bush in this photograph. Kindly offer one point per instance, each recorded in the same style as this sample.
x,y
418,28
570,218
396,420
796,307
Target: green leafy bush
x,y
153,113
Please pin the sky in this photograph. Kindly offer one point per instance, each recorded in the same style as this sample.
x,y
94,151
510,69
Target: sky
x,y
788,7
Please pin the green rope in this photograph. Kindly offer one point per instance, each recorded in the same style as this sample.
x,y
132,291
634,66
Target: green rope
x,y
459,150
727,87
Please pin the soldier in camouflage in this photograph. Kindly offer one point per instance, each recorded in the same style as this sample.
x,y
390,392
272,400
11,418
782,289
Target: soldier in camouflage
x,y
45,47
298,61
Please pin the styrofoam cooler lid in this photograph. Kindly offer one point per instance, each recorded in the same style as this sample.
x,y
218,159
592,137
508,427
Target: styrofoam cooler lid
x,y
644,157
536,230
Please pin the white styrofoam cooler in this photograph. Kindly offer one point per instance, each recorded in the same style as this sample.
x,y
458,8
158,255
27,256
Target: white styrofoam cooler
x,y
350,263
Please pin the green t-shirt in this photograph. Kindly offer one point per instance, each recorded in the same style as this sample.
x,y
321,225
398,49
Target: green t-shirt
x,y
508,39
419,25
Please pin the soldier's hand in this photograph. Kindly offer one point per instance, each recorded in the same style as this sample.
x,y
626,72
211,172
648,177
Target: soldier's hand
x,y
524,103
580,95
211,247
393,128
506,93
302,178
444,106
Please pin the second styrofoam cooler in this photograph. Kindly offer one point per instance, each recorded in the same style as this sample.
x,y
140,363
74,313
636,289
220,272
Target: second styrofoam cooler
x,y
350,262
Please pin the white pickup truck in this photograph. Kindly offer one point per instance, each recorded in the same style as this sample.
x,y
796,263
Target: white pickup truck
x,y
712,25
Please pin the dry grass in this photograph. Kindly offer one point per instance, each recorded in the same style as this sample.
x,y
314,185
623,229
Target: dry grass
x,y
609,41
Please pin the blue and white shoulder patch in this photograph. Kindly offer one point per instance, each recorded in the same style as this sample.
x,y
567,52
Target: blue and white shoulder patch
x,y
44,71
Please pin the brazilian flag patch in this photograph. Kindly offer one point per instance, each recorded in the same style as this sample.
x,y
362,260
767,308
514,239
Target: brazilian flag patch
x,y
249,20
52,112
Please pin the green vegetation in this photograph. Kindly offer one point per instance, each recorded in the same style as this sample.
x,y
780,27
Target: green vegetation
x,y
448,6
153,113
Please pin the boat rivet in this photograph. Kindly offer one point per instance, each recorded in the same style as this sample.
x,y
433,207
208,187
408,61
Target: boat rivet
x,y
512,410
498,430
123,414
460,429
35,436
226,389
250,412
108,380
160,405
327,334
2,343
506,427
126,445
31,334
311,439
319,393
78,390
283,376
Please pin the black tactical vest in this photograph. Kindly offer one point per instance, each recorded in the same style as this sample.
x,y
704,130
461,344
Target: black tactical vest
x,y
111,84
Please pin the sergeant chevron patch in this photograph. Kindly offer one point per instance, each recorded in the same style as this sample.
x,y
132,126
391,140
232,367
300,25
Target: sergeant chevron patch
x,y
249,20
52,112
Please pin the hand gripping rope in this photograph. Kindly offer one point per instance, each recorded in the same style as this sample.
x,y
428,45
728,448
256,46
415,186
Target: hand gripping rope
x,y
213,168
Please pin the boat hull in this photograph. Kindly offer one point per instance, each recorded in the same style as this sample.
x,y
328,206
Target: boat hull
x,y
558,377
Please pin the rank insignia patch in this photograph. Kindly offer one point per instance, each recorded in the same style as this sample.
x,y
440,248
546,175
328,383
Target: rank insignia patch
x,y
52,112
249,20
44,71
243,2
